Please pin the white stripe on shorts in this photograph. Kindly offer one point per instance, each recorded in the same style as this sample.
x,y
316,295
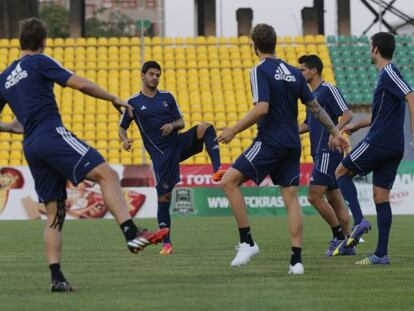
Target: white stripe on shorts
x,y
72,141
358,151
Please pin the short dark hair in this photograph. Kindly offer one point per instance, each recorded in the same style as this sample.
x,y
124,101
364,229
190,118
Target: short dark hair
x,y
311,61
264,38
32,33
150,64
385,42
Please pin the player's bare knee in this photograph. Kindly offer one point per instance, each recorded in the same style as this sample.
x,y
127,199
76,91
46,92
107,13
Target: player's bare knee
x,y
201,128
107,174
228,184
165,197
313,198
381,195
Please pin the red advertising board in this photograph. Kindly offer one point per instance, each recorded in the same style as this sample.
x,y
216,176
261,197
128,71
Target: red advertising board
x,y
199,175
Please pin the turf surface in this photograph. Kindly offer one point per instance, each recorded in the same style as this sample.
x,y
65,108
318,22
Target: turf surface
x,y
198,276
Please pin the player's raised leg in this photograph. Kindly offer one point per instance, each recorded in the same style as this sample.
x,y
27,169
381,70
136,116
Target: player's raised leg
x,y
137,239
247,248
344,179
207,132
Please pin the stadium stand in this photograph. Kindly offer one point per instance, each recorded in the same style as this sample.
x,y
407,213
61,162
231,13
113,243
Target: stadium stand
x,y
355,75
209,76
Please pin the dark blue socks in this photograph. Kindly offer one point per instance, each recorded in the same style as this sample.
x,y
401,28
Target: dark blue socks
x,y
350,194
164,218
384,220
212,147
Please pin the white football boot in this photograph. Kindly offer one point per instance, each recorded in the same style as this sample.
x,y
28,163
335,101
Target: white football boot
x,y
244,253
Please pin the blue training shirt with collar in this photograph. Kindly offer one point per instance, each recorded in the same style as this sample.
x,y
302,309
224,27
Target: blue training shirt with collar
x,y
332,101
27,85
388,109
281,85
150,114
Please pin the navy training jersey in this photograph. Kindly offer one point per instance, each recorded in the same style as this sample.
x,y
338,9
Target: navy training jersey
x,y
150,114
332,101
281,85
27,85
388,109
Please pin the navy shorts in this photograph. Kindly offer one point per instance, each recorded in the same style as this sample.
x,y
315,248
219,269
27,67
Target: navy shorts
x,y
55,157
166,167
261,159
366,158
324,166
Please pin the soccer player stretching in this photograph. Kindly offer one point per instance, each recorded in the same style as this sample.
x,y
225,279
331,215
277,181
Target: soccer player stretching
x,y
159,119
323,181
276,87
382,148
53,153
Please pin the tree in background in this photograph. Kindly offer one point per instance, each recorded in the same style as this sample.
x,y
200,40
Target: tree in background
x,y
109,24
57,18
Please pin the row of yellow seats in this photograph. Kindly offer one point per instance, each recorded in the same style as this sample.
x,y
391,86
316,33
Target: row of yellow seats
x,y
200,40
92,53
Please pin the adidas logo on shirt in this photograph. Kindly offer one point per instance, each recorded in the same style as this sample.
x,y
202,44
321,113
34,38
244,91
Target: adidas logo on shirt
x,y
16,75
283,73
143,107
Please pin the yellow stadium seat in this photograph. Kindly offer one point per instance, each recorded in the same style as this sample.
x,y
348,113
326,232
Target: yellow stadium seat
x,y
57,42
167,41
80,42
147,41
91,41
4,43
156,41
200,40
135,41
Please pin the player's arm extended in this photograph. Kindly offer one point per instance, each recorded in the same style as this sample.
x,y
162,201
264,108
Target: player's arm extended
x,y
353,127
345,119
259,110
303,128
92,89
410,101
12,127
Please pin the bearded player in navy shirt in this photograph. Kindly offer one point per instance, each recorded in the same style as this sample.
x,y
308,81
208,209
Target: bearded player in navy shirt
x,y
382,148
159,119
276,88
323,181
53,153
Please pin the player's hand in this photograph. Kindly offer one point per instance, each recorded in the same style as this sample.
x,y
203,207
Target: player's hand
x,y
350,128
166,129
16,127
127,144
338,142
119,103
226,135
12,127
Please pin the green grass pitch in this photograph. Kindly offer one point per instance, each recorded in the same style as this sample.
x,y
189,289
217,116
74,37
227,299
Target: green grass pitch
x,y
198,276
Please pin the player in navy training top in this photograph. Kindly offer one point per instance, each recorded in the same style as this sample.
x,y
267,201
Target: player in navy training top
x,y
159,119
276,88
323,181
53,153
381,150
